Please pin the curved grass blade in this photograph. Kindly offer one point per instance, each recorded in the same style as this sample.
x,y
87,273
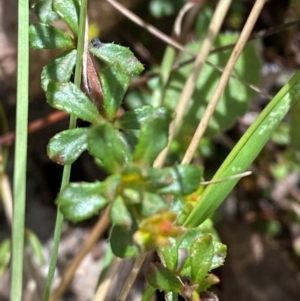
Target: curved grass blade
x,y
245,151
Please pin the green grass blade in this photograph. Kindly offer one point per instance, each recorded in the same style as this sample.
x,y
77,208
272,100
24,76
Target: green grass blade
x,y
245,151
19,187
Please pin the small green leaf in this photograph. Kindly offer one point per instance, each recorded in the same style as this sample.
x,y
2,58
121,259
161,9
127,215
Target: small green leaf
x,y
106,144
182,207
79,201
134,119
59,69
201,255
5,251
44,12
116,55
120,214
196,244
151,203
178,180
118,66
44,36
169,254
220,251
164,279
68,10
132,196
207,282
153,139
190,235
65,147
183,242
114,85
36,246
122,243
110,187
68,98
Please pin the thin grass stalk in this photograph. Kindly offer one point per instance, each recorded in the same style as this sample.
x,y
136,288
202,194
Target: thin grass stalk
x,y
138,262
245,34
151,29
67,168
104,286
19,186
67,277
189,87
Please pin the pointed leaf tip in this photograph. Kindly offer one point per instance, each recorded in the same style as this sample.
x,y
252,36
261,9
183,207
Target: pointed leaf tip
x,y
68,10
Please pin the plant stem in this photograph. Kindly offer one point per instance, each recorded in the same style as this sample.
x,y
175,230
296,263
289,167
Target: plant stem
x,y
68,274
243,38
149,292
20,152
67,168
132,276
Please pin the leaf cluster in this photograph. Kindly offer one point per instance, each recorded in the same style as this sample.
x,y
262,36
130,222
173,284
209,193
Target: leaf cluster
x,y
142,199
163,208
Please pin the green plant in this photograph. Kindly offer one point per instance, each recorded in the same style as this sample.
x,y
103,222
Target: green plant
x,y
140,196
163,209
20,153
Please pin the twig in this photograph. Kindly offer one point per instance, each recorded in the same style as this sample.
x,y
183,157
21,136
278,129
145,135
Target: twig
x,y
137,20
104,286
237,176
190,84
132,276
178,22
40,123
247,84
223,80
97,231
259,35
6,196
